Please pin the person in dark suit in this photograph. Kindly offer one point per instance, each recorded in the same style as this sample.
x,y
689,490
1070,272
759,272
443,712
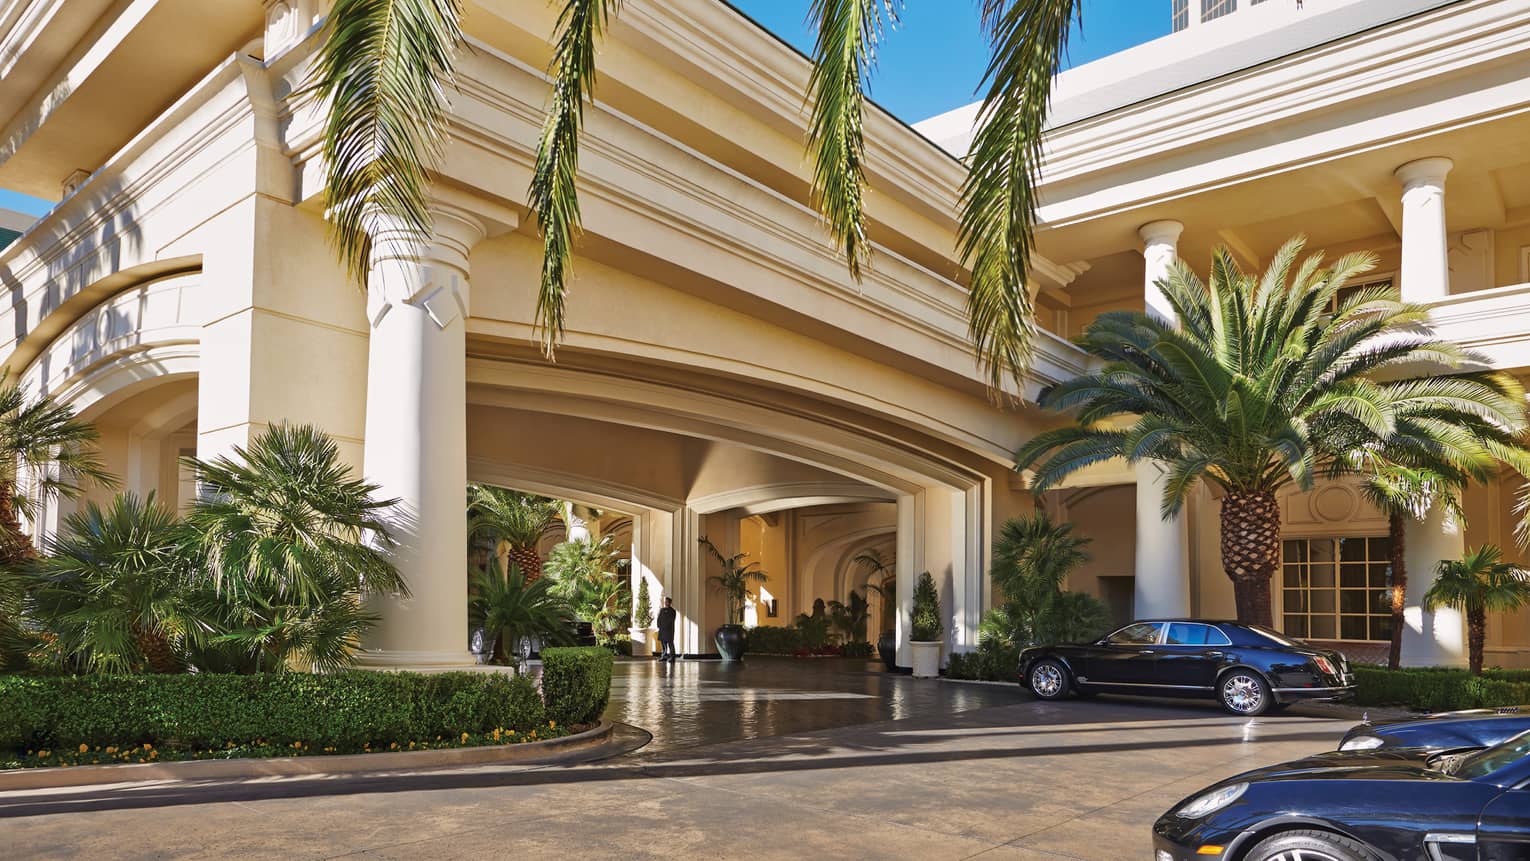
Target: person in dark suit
x,y
667,631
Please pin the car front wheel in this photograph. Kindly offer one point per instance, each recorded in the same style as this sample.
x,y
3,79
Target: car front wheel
x,y
1244,692
1310,846
1048,680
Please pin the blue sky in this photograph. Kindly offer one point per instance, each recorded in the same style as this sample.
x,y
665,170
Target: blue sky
x,y
934,60
930,63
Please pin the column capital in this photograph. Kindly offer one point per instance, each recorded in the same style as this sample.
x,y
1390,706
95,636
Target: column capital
x,y
1161,232
1424,171
430,273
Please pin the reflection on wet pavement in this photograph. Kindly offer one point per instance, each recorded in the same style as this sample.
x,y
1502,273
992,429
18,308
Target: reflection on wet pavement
x,y
706,702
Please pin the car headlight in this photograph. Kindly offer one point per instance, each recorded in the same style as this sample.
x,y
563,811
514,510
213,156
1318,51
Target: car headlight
x,y
1362,742
1212,801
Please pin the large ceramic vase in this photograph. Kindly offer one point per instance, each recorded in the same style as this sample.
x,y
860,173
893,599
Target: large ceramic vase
x,y
730,642
887,648
926,658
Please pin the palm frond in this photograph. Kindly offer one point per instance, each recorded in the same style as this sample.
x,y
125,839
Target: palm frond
x,y
383,72
998,197
553,194
843,57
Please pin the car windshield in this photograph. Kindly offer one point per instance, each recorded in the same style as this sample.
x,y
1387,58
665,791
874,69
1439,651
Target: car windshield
x,y
1489,760
1279,638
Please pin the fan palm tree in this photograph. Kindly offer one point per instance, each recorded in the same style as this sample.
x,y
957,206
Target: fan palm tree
x,y
41,441
514,521
1259,386
114,588
1032,558
289,541
385,71
1474,584
734,579
517,609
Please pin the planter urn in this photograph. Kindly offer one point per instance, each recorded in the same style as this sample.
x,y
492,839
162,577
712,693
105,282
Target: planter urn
x,y
926,658
642,641
887,650
730,642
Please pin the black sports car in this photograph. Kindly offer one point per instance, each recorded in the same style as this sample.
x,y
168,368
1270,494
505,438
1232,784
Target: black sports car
x,y
1247,668
1361,806
1472,728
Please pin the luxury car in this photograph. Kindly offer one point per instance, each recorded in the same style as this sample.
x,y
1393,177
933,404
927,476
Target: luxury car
x,y
1459,730
1247,668
1361,806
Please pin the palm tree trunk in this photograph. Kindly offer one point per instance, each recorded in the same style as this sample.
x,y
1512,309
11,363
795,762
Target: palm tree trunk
x,y
1399,588
1476,636
526,558
156,650
15,544
1251,551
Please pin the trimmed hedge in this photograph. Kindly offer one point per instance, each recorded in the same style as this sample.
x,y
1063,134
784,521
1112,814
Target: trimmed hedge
x,y
774,640
576,683
346,711
1436,689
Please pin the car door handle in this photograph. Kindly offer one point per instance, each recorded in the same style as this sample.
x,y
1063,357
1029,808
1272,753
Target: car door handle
x,y
1147,651
1214,654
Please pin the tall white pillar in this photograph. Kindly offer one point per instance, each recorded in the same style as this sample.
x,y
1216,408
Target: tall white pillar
x,y
1162,574
416,434
1425,266
1438,638
907,561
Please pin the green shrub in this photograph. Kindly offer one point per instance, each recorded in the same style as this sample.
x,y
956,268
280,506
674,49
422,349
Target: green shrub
x,y
1434,689
857,649
927,626
576,683
347,710
994,661
774,640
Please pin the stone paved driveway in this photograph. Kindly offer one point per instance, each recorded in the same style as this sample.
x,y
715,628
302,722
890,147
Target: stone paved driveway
x,y
1023,780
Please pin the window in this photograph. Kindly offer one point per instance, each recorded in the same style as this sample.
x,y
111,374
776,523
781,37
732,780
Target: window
x,y
1337,588
1180,16
1140,634
1211,9
1189,634
1349,290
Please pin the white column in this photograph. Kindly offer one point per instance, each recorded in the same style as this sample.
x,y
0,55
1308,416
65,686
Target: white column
x,y
907,562
1162,575
686,583
1438,638
1425,268
416,434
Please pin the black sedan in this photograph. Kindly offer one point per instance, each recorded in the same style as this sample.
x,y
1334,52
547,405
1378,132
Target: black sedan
x,y
1361,806
1462,730
1247,668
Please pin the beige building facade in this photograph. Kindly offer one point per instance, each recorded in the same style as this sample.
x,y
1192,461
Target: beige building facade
x,y
723,376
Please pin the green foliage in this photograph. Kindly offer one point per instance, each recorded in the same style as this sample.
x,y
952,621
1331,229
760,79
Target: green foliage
x,y
1435,689
590,576
813,630
994,661
114,589
288,543
775,640
1032,558
384,72
45,440
857,649
515,610
642,617
507,516
881,579
345,710
1479,582
734,579
926,625
576,683
849,618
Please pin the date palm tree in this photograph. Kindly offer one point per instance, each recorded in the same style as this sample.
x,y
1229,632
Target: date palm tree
x,y
514,521
44,441
385,74
1478,582
1251,389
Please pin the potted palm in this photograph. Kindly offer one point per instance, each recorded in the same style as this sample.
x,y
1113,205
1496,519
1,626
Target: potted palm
x,y
1478,582
877,567
733,582
926,628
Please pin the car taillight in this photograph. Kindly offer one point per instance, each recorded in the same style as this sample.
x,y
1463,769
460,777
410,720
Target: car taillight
x,y
1324,664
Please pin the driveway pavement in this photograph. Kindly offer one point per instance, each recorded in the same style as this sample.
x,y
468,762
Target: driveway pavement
x,y
1016,780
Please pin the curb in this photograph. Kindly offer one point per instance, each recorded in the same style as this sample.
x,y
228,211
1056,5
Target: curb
x,y
1015,685
299,766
